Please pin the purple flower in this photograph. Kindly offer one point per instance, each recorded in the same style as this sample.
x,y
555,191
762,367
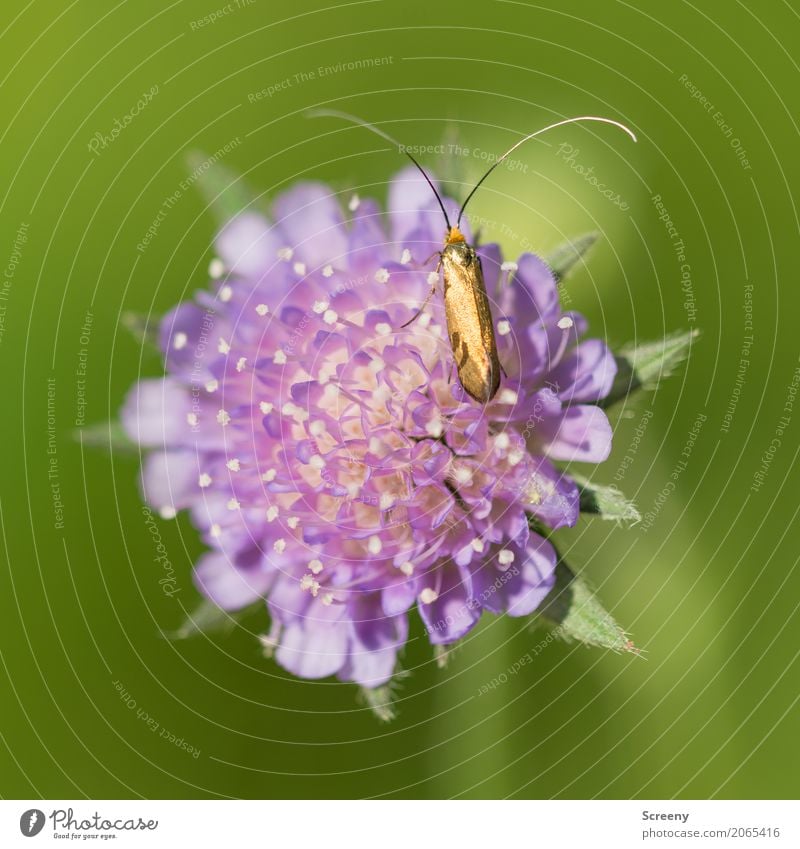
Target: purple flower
x,y
329,456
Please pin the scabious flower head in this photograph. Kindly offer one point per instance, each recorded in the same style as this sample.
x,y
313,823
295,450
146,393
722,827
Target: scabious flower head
x,y
328,454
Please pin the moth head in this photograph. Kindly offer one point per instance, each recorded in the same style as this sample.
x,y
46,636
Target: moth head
x,y
454,236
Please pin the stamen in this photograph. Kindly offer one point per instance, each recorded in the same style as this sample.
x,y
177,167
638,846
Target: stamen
x,y
463,475
505,558
434,427
309,584
515,457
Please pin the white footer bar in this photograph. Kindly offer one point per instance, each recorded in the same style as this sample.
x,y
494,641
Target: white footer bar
x,y
401,824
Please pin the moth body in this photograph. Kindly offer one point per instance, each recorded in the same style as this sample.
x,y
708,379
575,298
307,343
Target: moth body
x,y
469,319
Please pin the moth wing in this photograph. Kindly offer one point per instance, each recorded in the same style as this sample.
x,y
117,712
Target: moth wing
x,y
470,327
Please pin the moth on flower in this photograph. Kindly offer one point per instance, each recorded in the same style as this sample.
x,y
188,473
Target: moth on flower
x,y
469,316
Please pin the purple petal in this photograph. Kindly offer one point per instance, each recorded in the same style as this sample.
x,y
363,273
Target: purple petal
x,y
287,602
367,240
248,245
375,641
315,647
154,413
551,495
226,585
454,610
310,221
540,286
413,207
397,597
586,373
536,579
582,433
513,578
169,479
491,260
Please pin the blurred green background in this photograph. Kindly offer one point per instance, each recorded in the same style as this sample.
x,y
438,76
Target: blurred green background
x,y
709,590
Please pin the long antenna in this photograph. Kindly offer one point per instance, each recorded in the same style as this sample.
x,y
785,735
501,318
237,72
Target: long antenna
x,y
333,113
538,133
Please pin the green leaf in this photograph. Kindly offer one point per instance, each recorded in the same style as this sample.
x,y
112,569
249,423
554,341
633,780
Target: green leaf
x,y
223,189
443,654
575,614
605,501
567,255
209,618
382,701
143,328
108,435
642,366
